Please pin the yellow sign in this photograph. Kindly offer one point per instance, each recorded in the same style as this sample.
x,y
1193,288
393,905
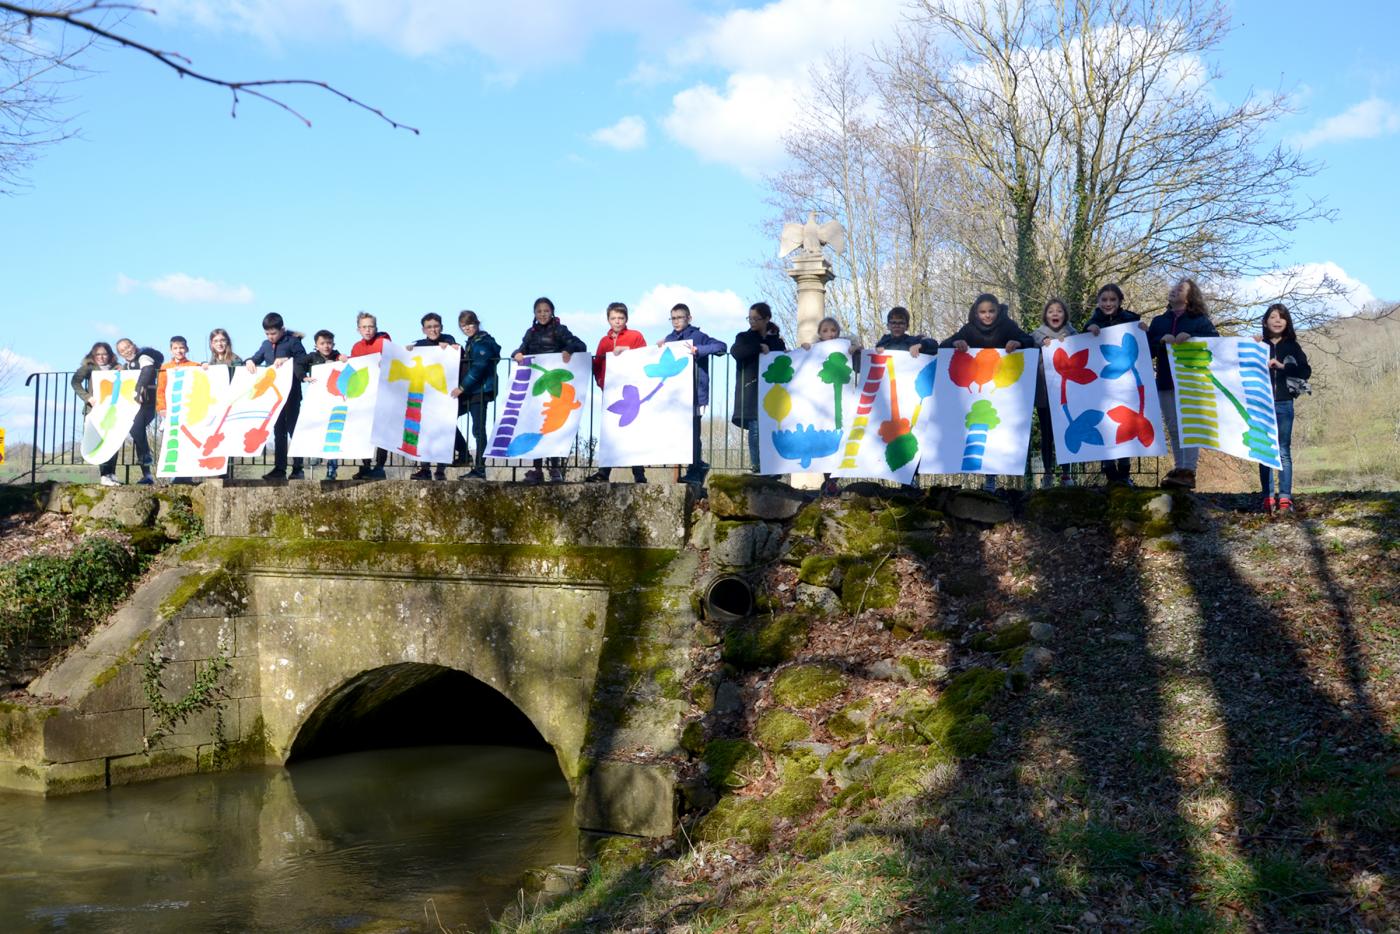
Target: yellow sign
x,y
2,445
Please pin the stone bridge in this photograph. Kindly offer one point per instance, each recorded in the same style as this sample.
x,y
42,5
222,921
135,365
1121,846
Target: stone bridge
x,y
391,613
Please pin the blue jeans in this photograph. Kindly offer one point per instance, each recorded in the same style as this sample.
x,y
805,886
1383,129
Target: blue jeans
x,y
1283,410
751,426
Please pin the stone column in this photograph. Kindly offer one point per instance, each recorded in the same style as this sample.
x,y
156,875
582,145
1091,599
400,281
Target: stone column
x,y
811,272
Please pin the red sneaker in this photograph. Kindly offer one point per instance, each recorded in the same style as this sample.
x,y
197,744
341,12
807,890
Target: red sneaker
x,y
1285,504
1268,504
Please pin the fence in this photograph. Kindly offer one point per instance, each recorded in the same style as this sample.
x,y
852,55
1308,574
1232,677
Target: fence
x,y
58,427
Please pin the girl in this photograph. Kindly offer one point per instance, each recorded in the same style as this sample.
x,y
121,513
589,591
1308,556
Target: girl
x,y
1108,311
762,337
1054,326
100,357
221,350
1286,362
829,329
1186,317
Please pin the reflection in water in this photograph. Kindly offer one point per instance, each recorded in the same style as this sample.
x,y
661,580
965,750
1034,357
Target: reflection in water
x,y
345,843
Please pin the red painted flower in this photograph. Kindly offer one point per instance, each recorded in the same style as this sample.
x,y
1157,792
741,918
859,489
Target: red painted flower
x,y
1132,425
1073,368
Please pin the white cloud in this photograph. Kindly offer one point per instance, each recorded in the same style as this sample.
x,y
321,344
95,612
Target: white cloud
x,y
18,366
741,126
184,288
720,314
1326,286
1372,117
628,133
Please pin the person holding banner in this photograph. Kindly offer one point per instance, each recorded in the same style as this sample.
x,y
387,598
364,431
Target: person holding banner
x,y
547,334
1054,326
434,337
281,348
221,350
371,341
762,337
618,339
325,352
702,347
1290,371
146,361
100,357
898,336
478,385
829,329
1109,311
1186,317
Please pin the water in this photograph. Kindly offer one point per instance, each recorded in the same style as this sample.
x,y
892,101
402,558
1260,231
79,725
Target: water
x,y
359,842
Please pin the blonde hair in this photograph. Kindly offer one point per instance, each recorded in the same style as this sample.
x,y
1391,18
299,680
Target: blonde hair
x,y
227,356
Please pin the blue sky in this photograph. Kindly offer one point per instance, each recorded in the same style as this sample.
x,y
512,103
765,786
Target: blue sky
x,y
591,152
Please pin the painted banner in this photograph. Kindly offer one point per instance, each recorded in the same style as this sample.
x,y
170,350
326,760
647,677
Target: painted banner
x,y
543,407
240,423
336,421
982,404
1225,398
415,414
1103,402
648,403
114,408
881,441
806,396
191,393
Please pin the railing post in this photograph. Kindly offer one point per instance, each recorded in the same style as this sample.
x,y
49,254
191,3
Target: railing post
x,y
34,432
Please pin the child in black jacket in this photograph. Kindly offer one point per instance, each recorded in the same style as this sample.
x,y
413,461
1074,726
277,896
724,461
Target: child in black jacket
x,y
1289,369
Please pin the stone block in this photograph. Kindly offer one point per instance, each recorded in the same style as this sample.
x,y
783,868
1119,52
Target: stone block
x,y
70,737
66,778
741,497
191,639
159,763
822,599
743,544
243,677
978,507
128,507
628,798
120,689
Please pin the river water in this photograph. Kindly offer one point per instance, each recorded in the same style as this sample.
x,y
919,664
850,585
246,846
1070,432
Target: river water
x,y
387,840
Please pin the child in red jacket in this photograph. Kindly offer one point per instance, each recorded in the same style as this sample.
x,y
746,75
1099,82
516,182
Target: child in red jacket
x,y
619,338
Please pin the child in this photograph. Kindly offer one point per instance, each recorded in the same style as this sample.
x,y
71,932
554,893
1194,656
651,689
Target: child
x,y
281,347
762,337
899,338
702,347
547,335
325,352
433,337
480,354
100,357
1289,369
1108,311
179,356
221,350
618,339
1185,317
371,341
1054,326
829,329
146,361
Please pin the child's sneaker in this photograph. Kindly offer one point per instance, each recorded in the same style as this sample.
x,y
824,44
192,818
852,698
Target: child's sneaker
x,y
330,472
1285,504
109,480
534,476
1268,504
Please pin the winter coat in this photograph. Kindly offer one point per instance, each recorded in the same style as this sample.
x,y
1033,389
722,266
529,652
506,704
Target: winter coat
x,y
363,348
628,338
1170,323
705,346
550,337
82,381
288,347
305,362
995,336
907,342
1295,364
479,356
1100,320
1042,396
746,353
147,362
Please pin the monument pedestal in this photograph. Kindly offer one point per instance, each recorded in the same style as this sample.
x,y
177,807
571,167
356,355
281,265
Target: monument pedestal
x,y
811,272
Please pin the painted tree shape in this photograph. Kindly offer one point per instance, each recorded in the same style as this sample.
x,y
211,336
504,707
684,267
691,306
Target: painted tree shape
x,y
419,377
552,381
973,372
347,383
979,421
836,372
777,401
901,446
112,393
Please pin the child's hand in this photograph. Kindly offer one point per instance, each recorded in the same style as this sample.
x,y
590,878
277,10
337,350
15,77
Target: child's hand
x,y
807,345
251,366
568,355
456,393
518,357
1142,324
618,350
763,348
444,345
1276,364
1094,330
915,351
1013,346
960,345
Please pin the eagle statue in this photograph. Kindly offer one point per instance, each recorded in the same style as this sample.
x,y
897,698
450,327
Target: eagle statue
x,y
811,237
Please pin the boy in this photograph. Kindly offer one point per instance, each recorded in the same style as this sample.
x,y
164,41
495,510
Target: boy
x,y
179,356
433,337
618,339
703,346
371,341
148,362
899,337
281,347
478,385
325,352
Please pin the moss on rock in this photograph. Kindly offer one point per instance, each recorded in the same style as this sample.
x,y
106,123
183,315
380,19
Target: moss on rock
x,y
868,585
731,763
765,642
806,686
776,728
1004,640
693,737
821,571
850,722
741,820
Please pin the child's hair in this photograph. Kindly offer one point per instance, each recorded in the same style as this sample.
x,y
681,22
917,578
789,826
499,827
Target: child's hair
x,y
543,301
1195,300
177,339
465,318
898,311
983,299
1045,312
363,315
681,306
100,345
618,306
272,322
831,321
1288,333
764,311
1111,287
326,334
431,316
227,355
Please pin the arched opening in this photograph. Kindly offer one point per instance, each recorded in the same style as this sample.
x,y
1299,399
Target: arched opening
x,y
412,704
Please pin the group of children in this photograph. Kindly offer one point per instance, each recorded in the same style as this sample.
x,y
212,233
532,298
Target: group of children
x,y
988,326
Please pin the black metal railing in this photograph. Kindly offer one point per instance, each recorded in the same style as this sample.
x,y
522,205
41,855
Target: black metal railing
x,y
58,426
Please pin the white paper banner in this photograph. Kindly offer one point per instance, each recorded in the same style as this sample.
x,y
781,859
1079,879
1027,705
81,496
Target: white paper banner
x,y
805,398
1103,402
336,421
982,403
114,408
240,423
648,402
1225,398
191,393
893,401
543,408
415,414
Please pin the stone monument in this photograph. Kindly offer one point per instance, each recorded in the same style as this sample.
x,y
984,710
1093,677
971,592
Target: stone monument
x,y
810,268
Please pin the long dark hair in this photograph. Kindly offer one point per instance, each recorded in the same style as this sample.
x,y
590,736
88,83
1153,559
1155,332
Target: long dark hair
x,y
984,297
1110,287
765,312
1195,299
1288,333
89,360
542,301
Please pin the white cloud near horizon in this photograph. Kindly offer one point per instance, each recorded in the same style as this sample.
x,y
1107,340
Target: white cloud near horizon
x,y
626,134
1369,119
720,313
1314,279
184,288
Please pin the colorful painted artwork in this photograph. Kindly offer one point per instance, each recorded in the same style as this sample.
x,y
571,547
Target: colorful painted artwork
x,y
415,414
982,405
805,396
191,393
882,441
336,421
543,407
648,402
1225,398
1102,401
114,409
240,422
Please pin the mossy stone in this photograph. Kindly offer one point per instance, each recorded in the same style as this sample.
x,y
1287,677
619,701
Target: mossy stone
x,y
795,798
616,854
972,689
868,585
816,840
731,763
1067,507
1002,641
764,642
901,774
693,737
805,686
808,521
776,728
850,722
920,669
820,571
742,820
